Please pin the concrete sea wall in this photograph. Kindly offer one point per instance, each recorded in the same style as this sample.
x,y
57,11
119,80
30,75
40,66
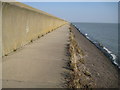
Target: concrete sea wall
x,y
22,23
0,29
0,45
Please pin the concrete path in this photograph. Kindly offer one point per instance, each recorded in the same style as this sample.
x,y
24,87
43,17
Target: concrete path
x,y
39,64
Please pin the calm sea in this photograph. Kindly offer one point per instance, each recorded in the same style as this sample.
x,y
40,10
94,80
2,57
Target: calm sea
x,y
104,33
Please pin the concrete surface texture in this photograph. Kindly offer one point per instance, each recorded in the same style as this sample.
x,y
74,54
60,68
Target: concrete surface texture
x,y
39,64
22,23
0,44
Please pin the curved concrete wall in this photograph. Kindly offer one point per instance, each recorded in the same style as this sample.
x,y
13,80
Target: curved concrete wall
x,y
22,23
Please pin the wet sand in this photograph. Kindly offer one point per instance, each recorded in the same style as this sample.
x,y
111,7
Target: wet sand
x,y
103,71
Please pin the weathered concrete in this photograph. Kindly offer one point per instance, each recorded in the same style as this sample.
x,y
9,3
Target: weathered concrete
x,y
22,23
0,44
39,64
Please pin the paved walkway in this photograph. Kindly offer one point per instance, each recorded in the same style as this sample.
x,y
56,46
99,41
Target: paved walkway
x,y
39,64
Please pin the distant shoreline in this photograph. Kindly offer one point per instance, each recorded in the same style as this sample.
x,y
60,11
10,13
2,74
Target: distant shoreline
x,y
96,22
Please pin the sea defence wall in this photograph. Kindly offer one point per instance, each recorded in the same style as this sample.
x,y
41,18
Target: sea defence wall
x,y
22,24
0,29
0,45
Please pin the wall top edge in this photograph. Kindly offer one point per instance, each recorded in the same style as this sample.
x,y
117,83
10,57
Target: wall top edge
x,y
21,5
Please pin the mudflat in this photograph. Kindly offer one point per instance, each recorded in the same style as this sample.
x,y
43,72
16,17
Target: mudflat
x,y
104,73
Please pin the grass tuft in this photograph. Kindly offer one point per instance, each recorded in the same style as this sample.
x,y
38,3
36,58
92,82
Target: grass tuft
x,y
80,77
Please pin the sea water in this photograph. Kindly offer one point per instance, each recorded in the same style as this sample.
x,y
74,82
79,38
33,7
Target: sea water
x,y
106,34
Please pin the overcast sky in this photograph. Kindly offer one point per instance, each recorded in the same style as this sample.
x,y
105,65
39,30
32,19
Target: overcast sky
x,y
100,12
